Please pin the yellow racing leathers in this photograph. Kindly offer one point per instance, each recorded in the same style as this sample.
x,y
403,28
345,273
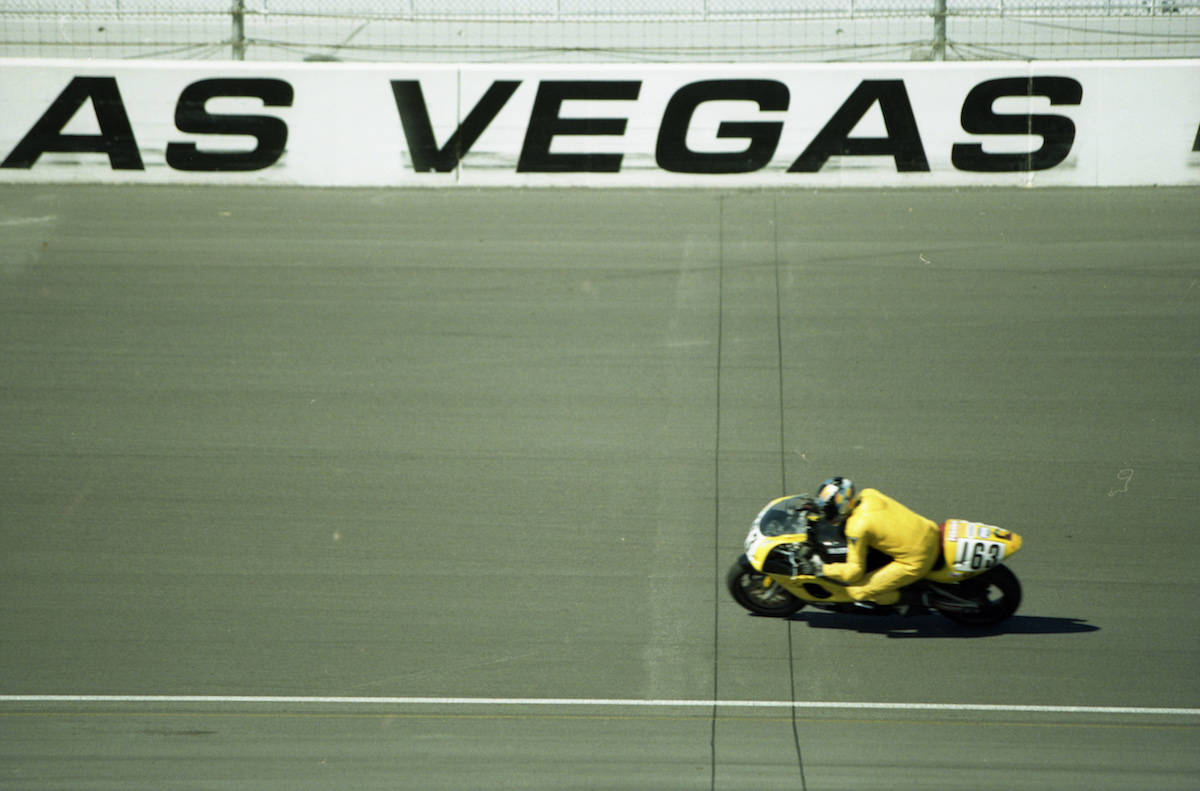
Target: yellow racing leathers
x,y
878,521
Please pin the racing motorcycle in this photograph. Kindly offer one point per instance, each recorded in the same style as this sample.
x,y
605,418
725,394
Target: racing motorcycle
x,y
969,583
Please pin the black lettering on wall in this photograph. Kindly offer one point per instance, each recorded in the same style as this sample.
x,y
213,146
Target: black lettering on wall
x,y
1057,131
418,130
545,123
116,135
672,152
191,116
903,141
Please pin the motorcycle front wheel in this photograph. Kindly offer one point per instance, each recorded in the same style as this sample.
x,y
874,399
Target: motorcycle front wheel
x,y
998,592
757,592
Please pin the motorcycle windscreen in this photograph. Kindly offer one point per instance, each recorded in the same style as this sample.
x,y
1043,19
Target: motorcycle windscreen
x,y
785,516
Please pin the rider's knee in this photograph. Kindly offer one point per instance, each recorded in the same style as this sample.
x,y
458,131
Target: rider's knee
x,y
879,597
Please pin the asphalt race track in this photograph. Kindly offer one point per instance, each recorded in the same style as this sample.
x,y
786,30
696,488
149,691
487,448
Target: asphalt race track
x,y
437,489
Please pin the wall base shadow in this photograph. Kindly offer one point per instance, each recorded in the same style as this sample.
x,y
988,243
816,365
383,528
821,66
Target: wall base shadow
x,y
935,626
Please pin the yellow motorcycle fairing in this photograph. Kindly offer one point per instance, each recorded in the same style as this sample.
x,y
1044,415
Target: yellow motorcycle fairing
x,y
804,586
971,548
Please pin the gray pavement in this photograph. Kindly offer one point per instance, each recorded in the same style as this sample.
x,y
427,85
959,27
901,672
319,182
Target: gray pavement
x,y
503,444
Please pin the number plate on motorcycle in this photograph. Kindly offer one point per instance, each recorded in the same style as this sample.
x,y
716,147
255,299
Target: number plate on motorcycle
x,y
977,554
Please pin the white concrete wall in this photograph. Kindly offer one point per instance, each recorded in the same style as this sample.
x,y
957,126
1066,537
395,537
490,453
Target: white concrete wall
x,y
1131,123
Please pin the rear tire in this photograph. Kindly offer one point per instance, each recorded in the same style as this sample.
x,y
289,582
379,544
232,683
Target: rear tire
x,y
1000,592
757,592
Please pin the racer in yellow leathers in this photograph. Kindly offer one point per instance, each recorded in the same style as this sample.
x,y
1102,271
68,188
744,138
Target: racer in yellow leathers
x,y
874,520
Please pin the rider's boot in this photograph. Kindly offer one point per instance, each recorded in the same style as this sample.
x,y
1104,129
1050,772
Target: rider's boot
x,y
912,602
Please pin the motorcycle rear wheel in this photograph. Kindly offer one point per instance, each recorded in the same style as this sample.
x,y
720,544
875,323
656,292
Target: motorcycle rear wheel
x,y
999,592
757,592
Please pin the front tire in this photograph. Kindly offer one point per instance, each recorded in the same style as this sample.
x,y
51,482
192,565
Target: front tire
x,y
997,590
757,592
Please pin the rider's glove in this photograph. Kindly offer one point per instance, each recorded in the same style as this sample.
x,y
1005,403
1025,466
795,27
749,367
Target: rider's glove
x,y
808,563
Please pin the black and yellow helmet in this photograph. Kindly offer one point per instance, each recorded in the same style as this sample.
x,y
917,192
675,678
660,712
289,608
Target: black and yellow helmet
x,y
836,498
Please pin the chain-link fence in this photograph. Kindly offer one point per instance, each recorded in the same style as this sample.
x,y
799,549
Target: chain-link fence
x,y
596,31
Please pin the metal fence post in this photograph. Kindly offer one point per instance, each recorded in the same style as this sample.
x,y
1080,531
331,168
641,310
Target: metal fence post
x,y
939,29
239,29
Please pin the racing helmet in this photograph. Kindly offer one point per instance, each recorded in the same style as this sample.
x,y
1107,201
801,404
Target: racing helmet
x,y
836,498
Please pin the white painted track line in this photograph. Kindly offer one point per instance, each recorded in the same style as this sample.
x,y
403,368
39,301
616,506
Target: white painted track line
x,y
608,702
